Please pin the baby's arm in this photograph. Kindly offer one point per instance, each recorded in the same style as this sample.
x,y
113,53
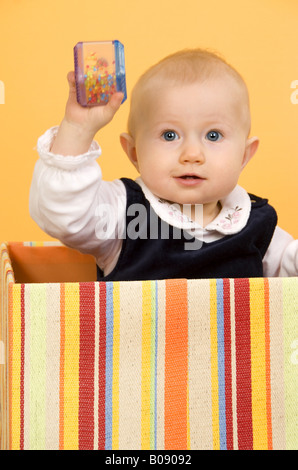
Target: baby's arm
x,y
289,266
281,258
79,126
67,191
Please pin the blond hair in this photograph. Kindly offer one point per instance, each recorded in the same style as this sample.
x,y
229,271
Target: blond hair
x,y
181,68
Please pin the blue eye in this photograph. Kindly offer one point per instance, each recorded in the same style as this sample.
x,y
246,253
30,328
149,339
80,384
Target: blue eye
x,y
169,136
213,136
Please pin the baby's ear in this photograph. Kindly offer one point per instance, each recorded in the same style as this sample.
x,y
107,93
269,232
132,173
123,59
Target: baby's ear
x,y
252,145
128,145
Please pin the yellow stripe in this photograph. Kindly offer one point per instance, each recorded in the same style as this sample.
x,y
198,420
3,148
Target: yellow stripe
x,y
116,358
71,366
258,364
214,364
16,368
146,351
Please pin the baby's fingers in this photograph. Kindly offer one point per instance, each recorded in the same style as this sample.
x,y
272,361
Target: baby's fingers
x,y
113,105
92,118
71,79
72,86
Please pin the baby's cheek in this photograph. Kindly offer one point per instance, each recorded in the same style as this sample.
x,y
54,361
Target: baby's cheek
x,y
230,170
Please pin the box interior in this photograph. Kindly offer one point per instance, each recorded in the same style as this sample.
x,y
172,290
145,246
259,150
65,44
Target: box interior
x,y
33,264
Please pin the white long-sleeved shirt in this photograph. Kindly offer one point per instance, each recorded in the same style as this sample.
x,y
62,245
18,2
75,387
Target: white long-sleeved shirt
x,y
70,201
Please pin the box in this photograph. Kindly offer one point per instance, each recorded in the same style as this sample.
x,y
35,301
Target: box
x,y
99,71
173,364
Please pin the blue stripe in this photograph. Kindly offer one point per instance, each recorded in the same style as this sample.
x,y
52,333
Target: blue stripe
x,y
109,364
221,365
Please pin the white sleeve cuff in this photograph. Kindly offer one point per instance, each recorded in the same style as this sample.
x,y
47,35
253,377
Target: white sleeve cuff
x,y
60,161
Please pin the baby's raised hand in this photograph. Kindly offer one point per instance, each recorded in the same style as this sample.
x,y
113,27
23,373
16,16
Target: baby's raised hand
x,y
93,118
80,124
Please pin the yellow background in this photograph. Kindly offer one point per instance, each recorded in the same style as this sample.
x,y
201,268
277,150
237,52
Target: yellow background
x,y
259,37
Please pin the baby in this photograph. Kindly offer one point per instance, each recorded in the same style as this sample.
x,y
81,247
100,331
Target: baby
x,y
185,216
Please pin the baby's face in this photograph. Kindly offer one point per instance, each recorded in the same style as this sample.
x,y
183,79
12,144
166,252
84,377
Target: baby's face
x,y
192,145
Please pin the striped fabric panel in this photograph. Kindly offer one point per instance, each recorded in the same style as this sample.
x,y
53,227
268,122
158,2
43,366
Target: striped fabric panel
x,y
43,243
175,364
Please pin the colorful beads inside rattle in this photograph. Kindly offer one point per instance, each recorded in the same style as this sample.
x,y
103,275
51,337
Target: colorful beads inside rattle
x,y
99,79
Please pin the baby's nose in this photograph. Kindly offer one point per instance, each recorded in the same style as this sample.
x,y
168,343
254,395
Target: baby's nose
x,y
192,153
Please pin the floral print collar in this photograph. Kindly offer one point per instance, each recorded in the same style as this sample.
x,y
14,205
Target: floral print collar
x,y
235,211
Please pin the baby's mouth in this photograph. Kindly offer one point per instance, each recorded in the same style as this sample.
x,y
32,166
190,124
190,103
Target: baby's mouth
x,y
189,179
189,176
186,177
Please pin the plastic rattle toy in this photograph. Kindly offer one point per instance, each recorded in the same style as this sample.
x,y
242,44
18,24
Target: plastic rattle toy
x,y
99,71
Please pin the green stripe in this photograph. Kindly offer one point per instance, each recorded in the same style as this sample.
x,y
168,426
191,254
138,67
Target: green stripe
x,y
37,365
290,310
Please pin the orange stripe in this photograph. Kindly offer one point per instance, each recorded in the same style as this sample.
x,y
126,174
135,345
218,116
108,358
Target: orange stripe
x,y
268,370
62,350
176,353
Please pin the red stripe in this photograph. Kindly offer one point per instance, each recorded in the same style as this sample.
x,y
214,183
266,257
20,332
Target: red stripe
x,y
86,366
102,367
228,364
22,366
243,364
